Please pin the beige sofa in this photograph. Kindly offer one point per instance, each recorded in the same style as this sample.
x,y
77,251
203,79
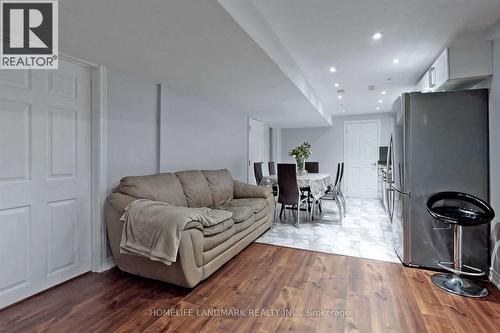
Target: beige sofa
x,y
200,253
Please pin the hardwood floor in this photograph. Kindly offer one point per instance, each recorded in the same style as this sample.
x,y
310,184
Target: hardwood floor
x,y
378,297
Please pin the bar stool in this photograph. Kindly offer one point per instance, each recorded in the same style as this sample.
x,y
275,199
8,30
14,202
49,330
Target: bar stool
x,y
462,210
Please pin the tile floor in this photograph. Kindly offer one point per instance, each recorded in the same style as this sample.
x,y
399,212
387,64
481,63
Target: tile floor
x,y
365,231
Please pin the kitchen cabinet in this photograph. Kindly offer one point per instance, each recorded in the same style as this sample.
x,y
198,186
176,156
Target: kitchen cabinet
x,y
459,67
423,84
439,72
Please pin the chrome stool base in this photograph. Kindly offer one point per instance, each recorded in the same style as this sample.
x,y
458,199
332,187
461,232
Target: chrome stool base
x,y
459,285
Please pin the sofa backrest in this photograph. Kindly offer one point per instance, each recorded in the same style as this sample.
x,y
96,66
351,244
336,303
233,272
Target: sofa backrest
x,y
196,188
190,188
160,187
221,185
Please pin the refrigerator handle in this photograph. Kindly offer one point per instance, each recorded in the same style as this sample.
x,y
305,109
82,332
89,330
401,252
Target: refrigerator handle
x,y
402,193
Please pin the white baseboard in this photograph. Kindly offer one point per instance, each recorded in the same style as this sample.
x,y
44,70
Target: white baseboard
x,y
108,264
494,278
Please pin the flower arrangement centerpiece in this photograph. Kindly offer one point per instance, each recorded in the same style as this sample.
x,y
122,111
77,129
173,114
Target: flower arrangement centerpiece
x,y
301,154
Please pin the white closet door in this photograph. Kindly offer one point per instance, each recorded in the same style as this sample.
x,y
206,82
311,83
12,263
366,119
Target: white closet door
x,y
44,178
361,158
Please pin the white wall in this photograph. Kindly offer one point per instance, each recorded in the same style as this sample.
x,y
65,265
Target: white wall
x,y
200,134
328,142
275,144
495,159
133,128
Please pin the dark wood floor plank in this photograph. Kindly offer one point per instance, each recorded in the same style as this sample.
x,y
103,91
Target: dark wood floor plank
x,y
357,301
163,297
380,297
409,316
433,312
256,291
209,288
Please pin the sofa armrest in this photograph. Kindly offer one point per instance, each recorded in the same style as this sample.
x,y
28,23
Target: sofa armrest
x,y
119,201
242,190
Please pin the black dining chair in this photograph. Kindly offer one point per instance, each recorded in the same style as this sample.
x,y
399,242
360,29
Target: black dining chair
x,y
272,169
341,194
272,172
312,167
289,192
257,170
333,193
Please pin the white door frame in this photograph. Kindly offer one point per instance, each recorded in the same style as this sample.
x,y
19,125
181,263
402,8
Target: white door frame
x,y
248,162
346,167
98,162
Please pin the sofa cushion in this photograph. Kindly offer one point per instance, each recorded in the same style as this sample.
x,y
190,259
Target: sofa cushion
x,y
211,254
240,213
221,185
263,213
215,240
244,224
196,188
163,187
218,228
255,204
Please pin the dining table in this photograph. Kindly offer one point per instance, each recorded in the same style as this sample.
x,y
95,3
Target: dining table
x,y
316,183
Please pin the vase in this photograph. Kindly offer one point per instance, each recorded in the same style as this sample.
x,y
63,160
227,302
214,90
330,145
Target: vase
x,y
301,166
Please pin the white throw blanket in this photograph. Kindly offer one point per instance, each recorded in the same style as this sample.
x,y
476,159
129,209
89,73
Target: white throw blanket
x,y
153,229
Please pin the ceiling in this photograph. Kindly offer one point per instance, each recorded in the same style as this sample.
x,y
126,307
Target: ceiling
x,y
318,34
193,46
270,59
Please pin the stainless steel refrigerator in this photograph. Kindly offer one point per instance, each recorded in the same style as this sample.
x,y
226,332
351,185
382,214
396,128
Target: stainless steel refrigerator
x,y
440,143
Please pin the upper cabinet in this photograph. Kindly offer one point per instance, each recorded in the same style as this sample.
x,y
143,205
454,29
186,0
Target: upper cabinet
x,y
423,84
459,67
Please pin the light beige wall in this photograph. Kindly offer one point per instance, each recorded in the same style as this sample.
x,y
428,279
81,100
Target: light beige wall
x,y
133,130
200,134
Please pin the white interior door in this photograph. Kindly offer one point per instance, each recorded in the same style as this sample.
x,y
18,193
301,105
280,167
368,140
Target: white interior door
x,y
45,181
258,147
362,141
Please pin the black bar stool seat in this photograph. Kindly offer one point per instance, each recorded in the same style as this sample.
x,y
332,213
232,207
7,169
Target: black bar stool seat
x,y
459,210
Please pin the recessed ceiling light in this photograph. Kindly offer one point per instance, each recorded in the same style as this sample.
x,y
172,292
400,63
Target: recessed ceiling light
x,y
333,69
336,85
377,108
343,111
380,101
377,35
339,96
395,61
384,92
